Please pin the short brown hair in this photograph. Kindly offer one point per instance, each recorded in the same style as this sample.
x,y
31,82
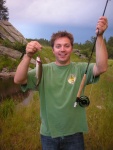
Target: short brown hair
x,y
60,34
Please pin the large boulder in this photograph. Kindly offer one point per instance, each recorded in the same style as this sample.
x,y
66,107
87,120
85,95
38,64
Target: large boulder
x,y
9,32
11,53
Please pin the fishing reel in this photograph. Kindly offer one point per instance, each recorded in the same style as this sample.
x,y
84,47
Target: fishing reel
x,y
83,101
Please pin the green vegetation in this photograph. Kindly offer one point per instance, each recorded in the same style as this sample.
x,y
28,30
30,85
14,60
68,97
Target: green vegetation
x,y
6,62
7,108
4,14
16,46
20,125
100,113
86,47
45,54
42,41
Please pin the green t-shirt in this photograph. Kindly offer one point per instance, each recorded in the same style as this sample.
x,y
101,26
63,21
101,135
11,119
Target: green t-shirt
x,y
57,90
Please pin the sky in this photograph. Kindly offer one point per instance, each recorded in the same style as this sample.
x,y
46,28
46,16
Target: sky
x,y
37,19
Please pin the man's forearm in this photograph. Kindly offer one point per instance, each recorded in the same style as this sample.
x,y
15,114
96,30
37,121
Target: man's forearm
x,y
101,55
22,70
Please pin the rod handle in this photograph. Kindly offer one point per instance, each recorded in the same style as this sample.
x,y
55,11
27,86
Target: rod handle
x,y
81,85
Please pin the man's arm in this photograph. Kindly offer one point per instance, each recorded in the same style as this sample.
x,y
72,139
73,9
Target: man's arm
x,y
101,50
22,69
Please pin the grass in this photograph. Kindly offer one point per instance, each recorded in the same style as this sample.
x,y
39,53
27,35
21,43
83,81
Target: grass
x,y
16,45
20,129
6,62
100,113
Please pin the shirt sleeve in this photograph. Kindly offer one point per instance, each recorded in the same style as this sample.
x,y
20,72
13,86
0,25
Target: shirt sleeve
x,y
31,81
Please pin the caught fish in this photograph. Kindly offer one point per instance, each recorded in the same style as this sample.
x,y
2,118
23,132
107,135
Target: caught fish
x,y
38,70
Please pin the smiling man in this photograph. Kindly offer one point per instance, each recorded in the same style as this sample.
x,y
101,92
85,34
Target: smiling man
x,y
62,125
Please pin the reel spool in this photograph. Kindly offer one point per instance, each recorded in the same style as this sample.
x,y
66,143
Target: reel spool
x,y
83,101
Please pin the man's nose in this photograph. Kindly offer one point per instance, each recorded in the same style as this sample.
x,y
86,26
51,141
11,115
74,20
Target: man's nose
x,y
62,48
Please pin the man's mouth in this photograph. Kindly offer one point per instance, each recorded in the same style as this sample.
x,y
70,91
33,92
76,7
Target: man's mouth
x,y
62,55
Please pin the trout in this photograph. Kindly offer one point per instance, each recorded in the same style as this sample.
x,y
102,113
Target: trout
x,y
38,70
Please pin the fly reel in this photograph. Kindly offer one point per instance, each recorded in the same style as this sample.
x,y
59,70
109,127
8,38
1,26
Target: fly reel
x,y
83,101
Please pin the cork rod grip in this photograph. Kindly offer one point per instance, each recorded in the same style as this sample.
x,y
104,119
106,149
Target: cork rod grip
x,y
81,85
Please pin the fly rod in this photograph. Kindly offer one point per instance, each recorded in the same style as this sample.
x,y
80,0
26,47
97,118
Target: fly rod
x,y
84,100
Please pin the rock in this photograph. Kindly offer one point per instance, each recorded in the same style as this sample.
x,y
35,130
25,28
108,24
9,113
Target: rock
x,y
12,53
9,32
78,53
7,74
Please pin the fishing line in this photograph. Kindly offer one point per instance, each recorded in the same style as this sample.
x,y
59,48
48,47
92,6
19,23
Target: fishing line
x,y
84,101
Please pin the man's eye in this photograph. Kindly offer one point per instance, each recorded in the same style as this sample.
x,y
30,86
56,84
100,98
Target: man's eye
x,y
58,46
67,46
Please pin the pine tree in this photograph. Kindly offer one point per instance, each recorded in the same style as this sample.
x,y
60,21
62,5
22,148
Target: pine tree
x,y
3,11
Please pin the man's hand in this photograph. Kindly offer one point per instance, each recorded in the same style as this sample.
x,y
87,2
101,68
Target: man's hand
x,y
32,47
102,25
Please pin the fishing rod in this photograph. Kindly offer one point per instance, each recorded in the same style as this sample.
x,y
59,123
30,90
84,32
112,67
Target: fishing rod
x,y
84,101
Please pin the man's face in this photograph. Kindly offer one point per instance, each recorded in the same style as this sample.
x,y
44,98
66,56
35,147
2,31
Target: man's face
x,y
62,50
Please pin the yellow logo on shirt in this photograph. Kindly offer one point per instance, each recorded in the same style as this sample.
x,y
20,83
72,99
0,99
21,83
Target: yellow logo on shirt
x,y
71,79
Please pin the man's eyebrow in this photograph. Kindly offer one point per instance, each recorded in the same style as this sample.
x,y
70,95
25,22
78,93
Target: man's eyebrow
x,y
62,44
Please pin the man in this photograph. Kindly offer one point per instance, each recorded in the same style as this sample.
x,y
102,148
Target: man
x,y
62,124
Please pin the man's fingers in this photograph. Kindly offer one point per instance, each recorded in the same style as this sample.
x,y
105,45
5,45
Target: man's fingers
x,y
36,45
102,25
33,46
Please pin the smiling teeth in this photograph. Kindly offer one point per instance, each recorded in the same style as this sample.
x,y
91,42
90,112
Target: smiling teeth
x,y
62,54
